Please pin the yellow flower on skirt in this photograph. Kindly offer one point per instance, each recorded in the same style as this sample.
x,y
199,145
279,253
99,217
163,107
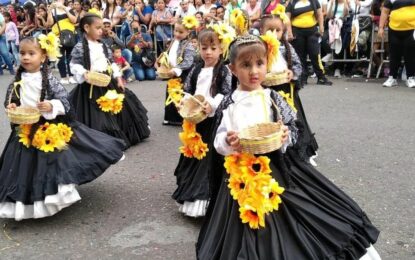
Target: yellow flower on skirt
x,y
65,132
24,132
251,213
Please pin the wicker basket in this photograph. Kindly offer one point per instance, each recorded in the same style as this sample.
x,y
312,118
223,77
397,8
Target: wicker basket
x,y
261,138
273,79
23,115
98,79
192,109
163,72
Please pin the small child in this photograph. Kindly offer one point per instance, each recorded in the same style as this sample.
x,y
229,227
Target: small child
x,y
288,61
122,63
42,163
12,38
260,208
210,78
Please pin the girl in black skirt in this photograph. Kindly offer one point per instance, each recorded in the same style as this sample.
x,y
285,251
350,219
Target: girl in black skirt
x,y
287,60
131,123
261,208
42,163
210,78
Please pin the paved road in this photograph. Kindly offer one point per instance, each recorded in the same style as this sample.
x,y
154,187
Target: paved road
x,y
367,147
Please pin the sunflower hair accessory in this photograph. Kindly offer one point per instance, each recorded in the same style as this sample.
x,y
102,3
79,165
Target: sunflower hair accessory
x,y
190,22
50,43
279,11
273,45
226,35
240,20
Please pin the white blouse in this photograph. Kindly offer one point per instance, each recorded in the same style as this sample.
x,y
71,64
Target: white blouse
x,y
30,95
204,83
99,63
249,108
173,57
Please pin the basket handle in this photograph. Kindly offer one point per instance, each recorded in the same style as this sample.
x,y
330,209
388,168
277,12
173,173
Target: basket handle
x,y
192,97
264,104
15,84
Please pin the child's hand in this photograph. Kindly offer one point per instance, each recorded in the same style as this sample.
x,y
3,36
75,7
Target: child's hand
x,y
120,83
232,140
290,75
44,106
207,108
86,76
11,105
171,74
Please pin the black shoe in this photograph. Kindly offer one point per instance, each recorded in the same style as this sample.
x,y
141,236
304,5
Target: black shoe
x,y
324,81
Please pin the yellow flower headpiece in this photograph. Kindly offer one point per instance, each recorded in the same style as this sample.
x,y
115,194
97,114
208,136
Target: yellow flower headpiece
x,y
95,11
190,22
273,45
50,43
279,10
239,20
226,35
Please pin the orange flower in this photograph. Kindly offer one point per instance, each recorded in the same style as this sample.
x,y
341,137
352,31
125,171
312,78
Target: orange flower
x,y
175,83
252,214
23,133
193,145
188,126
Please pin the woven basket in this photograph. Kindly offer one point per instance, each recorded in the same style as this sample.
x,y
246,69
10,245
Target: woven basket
x,y
23,115
261,138
163,72
98,79
273,79
192,109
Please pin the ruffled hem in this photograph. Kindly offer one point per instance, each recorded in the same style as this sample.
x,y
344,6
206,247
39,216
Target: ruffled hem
x,y
194,209
66,196
371,254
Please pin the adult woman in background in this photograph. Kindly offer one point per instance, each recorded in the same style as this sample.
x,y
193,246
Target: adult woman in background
x,y
79,13
160,24
401,39
112,12
308,27
62,18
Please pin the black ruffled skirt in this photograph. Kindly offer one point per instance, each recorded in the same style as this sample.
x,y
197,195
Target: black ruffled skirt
x,y
306,144
192,178
171,115
131,124
35,184
316,220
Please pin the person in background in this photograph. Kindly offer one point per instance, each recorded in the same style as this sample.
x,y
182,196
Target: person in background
x,y
79,13
138,43
185,8
220,13
41,21
122,63
12,37
4,53
142,12
30,20
112,12
160,25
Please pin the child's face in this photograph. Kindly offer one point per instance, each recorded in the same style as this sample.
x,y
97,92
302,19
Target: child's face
x,y
275,25
194,43
180,33
199,17
213,12
250,67
31,56
117,53
210,52
94,30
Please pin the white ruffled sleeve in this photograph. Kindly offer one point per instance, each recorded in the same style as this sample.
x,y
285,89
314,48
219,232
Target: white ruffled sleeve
x,y
57,110
214,103
78,72
221,146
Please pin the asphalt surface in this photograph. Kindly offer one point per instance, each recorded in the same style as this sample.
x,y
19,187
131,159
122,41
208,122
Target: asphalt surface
x,y
367,147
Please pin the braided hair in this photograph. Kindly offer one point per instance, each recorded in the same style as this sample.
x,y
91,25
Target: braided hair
x,y
88,19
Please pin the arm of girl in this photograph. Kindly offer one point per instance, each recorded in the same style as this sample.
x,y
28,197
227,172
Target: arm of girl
x,y
188,58
77,65
226,141
58,103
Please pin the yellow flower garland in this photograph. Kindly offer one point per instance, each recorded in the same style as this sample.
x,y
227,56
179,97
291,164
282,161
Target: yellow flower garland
x,y
47,137
174,91
273,45
193,145
111,102
252,185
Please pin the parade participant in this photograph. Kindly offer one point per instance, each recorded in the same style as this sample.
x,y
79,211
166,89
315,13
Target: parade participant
x,y
287,61
260,208
210,78
179,58
126,118
42,163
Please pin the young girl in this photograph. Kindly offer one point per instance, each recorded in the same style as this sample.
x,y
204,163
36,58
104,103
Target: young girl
x,y
38,177
131,123
211,79
287,60
180,58
310,218
12,37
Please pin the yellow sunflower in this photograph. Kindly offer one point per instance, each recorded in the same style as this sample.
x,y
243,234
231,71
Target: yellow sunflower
x,y
174,83
237,186
200,150
186,151
280,11
232,164
65,132
23,133
273,46
50,43
251,214
273,190
190,22
95,11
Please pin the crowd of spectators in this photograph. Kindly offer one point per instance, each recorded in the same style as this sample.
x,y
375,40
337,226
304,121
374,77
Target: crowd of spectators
x,y
139,30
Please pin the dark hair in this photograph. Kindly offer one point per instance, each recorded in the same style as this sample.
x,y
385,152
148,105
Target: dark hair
x,y
87,58
220,7
201,13
116,47
31,11
7,14
288,54
106,13
88,19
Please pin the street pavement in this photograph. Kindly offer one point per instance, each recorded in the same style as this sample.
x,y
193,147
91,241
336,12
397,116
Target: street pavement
x,y
367,147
